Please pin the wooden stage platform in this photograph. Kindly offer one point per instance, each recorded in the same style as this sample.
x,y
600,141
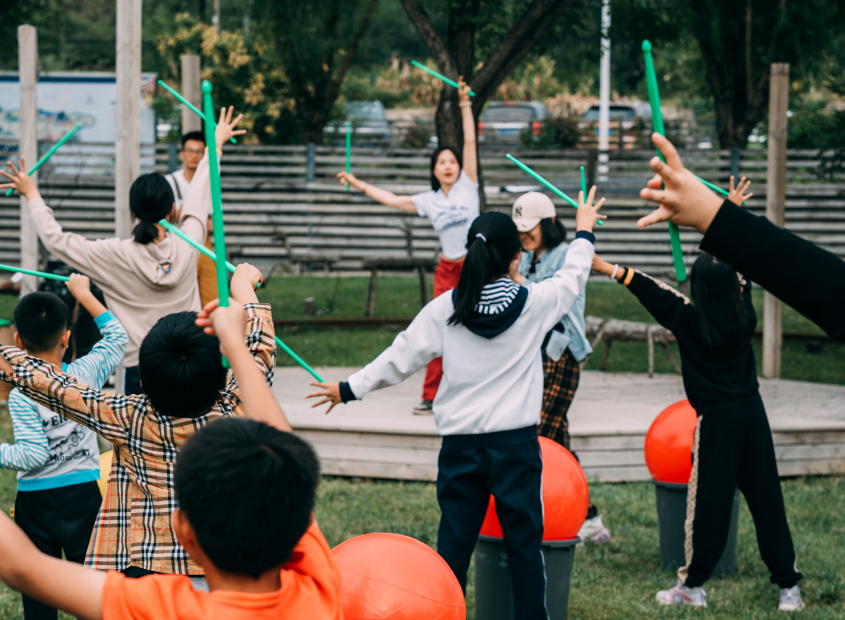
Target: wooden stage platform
x,y
378,437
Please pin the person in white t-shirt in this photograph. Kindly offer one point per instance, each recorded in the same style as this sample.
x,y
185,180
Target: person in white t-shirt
x,y
452,204
193,148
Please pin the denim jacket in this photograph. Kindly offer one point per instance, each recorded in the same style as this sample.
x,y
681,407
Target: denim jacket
x,y
573,323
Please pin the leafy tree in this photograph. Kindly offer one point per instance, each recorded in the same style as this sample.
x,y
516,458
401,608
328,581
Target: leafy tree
x,y
316,40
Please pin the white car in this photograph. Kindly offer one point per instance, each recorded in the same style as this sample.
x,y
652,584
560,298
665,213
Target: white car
x,y
502,122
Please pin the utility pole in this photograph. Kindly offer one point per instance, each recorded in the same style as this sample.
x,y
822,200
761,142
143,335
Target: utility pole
x,y
604,94
127,140
28,79
191,70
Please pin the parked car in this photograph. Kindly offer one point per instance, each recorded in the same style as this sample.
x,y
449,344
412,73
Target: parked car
x,y
625,113
368,122
502,122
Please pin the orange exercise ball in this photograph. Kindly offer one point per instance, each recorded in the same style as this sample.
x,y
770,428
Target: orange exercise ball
x,y
668,443
566,496
394,577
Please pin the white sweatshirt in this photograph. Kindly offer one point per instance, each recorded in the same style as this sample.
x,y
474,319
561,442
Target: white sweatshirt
x,y
488,385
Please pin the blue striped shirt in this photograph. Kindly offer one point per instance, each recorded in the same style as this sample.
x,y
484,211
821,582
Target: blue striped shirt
x,y
31,450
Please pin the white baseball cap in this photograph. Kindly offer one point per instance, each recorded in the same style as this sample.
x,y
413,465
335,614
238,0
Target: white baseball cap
x,y
530,208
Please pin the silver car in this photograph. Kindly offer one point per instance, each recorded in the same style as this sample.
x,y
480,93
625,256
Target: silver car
x,y
503,121
368,123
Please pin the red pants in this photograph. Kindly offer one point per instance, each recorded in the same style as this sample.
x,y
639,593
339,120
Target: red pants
x,y
446,278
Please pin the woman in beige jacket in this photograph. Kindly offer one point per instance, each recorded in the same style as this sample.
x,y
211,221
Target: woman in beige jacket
x,y
147,277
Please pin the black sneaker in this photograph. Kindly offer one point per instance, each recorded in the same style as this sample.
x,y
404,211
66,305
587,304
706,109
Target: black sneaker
x,y
424,408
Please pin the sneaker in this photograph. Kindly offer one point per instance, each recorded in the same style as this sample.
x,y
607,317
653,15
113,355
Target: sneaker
x,y
594,531
424,408
682,595
790,599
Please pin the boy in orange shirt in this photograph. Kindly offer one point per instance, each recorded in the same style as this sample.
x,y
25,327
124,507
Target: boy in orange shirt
x,y
246,492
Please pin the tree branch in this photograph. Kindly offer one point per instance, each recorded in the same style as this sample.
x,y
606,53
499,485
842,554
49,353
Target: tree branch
x,y
347,59
422,22
516,44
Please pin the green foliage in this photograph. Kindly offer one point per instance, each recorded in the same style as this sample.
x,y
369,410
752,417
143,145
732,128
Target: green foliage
x,y
245,73
559,132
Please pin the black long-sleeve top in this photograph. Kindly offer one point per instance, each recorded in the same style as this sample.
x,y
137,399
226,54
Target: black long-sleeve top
x,y
712,381
799,273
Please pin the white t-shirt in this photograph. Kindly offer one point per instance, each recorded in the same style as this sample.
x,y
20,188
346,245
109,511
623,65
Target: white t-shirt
x,y
179,185
451,215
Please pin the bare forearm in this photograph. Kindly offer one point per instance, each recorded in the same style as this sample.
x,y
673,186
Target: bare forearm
x,y
259,403
387,198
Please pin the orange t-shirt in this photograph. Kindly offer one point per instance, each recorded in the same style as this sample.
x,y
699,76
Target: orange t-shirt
x,y
310,591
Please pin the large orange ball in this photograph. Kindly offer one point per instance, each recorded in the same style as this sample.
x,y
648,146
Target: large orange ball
x,y
390,576
566,496
668,443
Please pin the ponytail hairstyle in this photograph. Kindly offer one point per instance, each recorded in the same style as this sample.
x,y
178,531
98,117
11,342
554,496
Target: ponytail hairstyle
x,y
150,199
435,184
725,323
492,243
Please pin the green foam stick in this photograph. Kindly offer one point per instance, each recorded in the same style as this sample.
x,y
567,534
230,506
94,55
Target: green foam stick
x,y
583,184
440,77
178,232
193,109
544,182
216,202
37,274
657,123
47,155
348,150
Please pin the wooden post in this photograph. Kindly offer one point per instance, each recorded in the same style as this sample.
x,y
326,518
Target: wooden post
x,y
191,91
28,77
127,139
775,200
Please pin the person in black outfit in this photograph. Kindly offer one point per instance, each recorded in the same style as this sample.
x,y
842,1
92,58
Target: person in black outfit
x,y
774,258
732,445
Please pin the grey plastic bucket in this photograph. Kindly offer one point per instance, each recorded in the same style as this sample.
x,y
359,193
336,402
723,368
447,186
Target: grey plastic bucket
x,y
493,586
671,515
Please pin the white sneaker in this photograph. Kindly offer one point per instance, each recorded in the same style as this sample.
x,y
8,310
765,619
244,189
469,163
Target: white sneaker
x,y
594,531
790,599
682,595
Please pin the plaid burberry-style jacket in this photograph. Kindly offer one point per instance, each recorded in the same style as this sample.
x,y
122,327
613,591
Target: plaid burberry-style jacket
x,y
134,527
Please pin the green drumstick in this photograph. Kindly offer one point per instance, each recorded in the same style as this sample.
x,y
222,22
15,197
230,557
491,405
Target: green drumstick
x,y
195,110
47,155
584,184
544,182
657,123
440,77
37,274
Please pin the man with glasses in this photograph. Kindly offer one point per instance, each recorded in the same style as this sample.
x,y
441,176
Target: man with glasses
x,y
193,149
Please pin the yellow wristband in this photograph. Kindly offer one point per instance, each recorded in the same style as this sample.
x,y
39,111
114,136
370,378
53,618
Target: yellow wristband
x,y
628,277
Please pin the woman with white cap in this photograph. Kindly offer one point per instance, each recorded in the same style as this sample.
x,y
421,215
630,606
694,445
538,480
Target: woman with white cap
x,y
543,238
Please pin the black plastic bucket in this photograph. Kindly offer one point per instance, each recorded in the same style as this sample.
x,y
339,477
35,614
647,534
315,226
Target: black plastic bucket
x,y
671,515
493,586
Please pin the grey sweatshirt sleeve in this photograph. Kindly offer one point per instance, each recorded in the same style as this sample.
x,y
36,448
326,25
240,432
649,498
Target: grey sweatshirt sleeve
x,y
96,258
411,350
197,205
556,295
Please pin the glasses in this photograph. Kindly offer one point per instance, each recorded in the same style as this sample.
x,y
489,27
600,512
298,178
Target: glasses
x,y
199,152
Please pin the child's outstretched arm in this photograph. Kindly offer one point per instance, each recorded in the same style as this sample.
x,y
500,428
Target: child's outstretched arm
x,y
403,203
64,585
665,303
228,325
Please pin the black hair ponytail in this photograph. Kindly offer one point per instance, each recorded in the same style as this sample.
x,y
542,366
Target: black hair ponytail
x,y
725,323
145,232
492,242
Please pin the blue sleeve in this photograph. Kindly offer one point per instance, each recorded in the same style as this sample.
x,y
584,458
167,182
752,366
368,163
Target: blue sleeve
x,y
106,355
31,449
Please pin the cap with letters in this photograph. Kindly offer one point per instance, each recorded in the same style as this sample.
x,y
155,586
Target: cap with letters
x,y
530,208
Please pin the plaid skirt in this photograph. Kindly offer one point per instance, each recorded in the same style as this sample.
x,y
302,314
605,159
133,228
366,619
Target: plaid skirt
x,y
560,380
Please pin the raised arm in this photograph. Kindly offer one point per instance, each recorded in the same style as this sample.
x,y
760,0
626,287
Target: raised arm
x,y
403,203
31,449
470,156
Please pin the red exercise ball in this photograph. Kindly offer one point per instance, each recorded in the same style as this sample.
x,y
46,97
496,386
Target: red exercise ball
x,y
394,577
566,496
668,443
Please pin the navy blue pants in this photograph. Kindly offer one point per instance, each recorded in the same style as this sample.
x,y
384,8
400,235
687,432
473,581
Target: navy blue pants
x,y
507,465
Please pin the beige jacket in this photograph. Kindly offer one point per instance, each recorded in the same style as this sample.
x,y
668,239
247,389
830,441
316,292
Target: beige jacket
x,y
141,283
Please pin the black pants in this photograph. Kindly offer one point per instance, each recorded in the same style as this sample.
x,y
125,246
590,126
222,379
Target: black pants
x,y
512,473
132,381
733,447
57,520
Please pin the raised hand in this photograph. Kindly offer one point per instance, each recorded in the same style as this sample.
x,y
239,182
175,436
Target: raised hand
x,y
588,214
21,181
226,126
463,90
685,200
347,178
330,394
737,194
227,323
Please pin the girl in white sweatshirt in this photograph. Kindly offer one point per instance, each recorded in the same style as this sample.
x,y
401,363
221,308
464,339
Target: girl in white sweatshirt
x,y
489,331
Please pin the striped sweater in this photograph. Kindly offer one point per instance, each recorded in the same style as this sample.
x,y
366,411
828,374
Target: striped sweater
x,y
51,451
